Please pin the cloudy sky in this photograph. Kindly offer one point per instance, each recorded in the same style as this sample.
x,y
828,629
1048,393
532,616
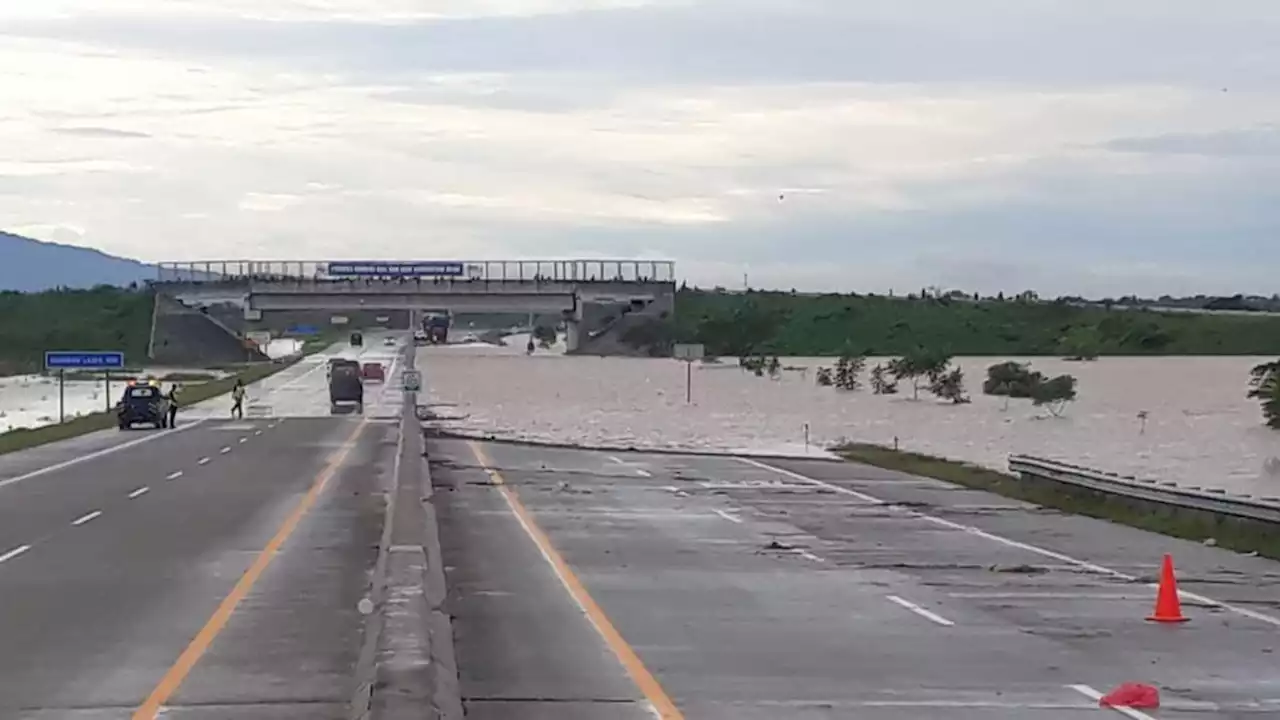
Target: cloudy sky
x,y
1091,146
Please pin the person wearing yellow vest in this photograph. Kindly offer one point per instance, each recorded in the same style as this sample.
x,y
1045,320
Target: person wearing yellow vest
x,y
237,399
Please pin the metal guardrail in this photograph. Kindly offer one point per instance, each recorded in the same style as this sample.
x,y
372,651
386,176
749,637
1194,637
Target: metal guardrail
x,y
1266,509
575,270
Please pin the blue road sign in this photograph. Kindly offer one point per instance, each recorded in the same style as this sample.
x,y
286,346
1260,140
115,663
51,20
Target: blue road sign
x,y
303,330
81,360
396,269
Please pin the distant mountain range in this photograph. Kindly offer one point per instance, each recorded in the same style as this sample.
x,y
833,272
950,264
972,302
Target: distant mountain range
x,y
28,265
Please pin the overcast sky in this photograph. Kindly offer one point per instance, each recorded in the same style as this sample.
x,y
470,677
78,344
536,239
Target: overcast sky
x,y
1070,146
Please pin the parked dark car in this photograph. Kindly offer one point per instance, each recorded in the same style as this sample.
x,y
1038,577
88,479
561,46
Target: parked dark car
x,y
142,404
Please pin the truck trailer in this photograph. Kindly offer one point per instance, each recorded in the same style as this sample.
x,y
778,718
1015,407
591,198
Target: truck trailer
x,y
436,326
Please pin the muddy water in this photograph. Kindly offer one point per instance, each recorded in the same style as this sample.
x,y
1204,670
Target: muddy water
x,y
1200,428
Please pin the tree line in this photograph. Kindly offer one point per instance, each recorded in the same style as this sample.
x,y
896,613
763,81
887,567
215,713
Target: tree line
x,y
933,372
786,324
102,318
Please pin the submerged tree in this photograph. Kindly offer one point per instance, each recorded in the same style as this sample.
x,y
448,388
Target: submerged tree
x,y
919,366
882,382
848,368
773,366
824,377
949,385
1054,394
1264,385
1011,379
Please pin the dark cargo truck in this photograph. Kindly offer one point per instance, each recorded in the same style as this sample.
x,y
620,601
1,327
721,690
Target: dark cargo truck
x,y
436,326
346,388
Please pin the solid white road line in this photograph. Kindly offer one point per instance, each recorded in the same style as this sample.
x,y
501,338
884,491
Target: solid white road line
x,y
97,454
86,518
1082,564
922,612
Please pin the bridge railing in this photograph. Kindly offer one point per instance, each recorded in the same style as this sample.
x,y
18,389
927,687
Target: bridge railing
x,y
581,270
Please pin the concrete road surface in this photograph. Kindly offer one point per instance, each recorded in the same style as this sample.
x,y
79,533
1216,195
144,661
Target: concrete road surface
x,y
115,572
590,585
299,391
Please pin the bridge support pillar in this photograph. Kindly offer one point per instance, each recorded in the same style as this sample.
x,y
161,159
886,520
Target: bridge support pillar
x,y
572,335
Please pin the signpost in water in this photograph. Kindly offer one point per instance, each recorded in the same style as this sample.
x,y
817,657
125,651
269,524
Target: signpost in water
x,y
688,353
63,360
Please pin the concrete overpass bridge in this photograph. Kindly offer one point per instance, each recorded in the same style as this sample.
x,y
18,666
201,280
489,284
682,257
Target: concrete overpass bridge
x,y
591,296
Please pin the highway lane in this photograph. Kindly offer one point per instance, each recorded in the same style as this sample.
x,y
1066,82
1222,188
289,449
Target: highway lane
x,y
93,616
297,391
760,590
111,566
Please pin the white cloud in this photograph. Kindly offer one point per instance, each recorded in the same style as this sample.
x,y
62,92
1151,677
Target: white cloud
x,y
166,149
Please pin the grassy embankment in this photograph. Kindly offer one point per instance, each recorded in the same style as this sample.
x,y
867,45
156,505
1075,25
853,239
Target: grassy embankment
x,y
102,318
1188,525
827,325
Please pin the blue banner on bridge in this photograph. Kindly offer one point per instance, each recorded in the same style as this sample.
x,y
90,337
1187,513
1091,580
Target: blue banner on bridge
x,y
396,269
68,359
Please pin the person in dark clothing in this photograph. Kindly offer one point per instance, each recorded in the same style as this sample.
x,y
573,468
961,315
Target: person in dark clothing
x,y
173,405
237,397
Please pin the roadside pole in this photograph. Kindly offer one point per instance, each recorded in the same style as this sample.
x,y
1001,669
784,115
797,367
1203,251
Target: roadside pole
x,y
62,396
688,353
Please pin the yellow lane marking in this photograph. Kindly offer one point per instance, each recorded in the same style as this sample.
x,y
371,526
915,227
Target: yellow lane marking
x,y
173,679
640,675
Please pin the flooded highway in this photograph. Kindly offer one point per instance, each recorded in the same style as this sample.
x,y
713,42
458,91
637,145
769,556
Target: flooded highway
x,y
287,564
595,585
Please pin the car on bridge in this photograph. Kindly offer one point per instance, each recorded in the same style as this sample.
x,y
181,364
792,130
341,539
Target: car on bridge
x,y
142,404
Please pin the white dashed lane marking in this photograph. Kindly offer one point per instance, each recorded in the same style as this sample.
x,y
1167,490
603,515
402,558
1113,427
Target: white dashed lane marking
x,y
922,612
203,461
173,475
86,517
139,492
14,553
727,516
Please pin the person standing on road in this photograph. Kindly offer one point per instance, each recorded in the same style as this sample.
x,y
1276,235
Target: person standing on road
x,y
173,405
237,399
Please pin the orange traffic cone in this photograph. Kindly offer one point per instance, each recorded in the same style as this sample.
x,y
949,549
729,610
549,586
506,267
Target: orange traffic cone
x,y
1168,604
